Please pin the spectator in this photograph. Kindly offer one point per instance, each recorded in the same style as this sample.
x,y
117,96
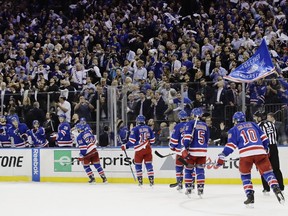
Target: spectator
x,y
143,106
36,113
164,134
5,95
158,105
104,138
64,107
219,101
280,127
84,108
49,126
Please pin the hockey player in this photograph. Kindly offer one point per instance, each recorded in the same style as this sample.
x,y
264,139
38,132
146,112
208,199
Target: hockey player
x,y
176,144
18,134
63,137
5,141
122,133
88,153
38,136
252,144
141,138
196,138
86,125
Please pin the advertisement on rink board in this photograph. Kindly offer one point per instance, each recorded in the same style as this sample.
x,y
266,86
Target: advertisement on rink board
x,y
62,165
16,162
116,165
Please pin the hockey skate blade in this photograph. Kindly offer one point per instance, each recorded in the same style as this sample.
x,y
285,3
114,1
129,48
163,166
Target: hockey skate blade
x,y
250,205
281,200
188,195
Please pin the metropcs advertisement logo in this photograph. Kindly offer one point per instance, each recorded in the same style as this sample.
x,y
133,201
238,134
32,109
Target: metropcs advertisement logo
x,y
66,161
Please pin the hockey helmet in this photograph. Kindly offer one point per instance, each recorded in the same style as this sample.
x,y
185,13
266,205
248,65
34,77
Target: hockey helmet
x,y
14,119
182,115
83,120
80,127
239,117
140,119
3,118
35,122
197,112
62,116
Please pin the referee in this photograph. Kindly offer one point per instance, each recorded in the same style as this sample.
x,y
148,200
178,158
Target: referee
x,y
270,130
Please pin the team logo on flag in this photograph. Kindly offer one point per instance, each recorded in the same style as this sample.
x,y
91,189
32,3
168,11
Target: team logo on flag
x,y
256,67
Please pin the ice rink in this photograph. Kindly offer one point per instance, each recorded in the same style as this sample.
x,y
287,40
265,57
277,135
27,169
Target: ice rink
x,y
79,199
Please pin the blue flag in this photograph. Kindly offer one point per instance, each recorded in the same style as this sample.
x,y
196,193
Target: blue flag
x,y
258,66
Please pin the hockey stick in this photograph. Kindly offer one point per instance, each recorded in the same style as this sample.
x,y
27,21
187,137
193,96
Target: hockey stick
x,y
130,166
182,160
163,156
72,161
173,185
194,127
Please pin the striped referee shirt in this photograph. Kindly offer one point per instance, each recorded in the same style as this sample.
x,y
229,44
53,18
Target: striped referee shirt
x,y
270,130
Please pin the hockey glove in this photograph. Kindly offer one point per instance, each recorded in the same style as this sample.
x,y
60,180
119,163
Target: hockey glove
x,y
220,160
123,147
185,154
53,137
172,149
81,157
24,136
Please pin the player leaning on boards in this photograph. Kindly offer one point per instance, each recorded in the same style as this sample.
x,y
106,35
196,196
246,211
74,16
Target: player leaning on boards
x,y
252,143
141,138
88,152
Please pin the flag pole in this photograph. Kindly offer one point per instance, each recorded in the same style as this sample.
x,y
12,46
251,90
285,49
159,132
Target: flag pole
x,y
243,97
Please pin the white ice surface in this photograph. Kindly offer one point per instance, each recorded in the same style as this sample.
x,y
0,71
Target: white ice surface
x,y
69,199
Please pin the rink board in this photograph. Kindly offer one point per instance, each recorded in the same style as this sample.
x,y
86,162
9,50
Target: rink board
x,y
57,165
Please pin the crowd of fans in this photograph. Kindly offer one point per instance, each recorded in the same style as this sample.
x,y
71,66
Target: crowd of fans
x,y
160,56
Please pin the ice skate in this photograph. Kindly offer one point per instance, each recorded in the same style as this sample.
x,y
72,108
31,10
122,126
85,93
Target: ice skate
x,y
140,181
200,192
250,200
179,187
104,179
189,188
92,180
266,192
151,181
279,195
